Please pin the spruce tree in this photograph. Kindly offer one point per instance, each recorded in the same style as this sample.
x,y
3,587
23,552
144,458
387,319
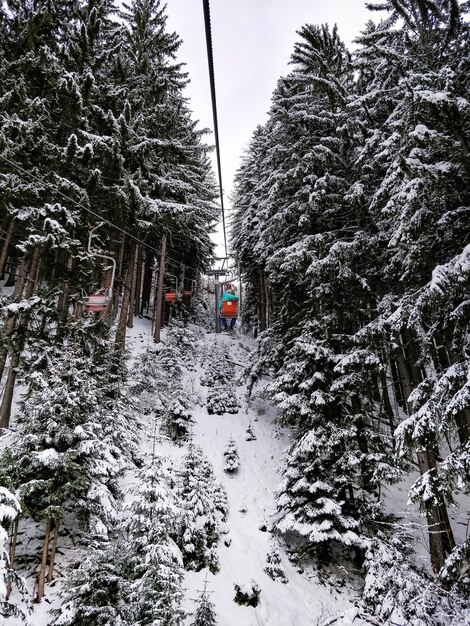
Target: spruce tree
x,y
205,613
154,562
205,505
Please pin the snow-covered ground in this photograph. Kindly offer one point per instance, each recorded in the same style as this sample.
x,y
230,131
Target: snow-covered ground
x,y
304,600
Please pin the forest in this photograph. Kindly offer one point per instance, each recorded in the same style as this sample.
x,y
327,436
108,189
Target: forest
x,y
350,223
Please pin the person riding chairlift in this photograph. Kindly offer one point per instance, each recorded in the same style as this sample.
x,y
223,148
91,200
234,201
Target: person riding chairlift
x,y
229,294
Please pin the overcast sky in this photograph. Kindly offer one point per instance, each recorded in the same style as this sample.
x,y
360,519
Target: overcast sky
x,y
252,43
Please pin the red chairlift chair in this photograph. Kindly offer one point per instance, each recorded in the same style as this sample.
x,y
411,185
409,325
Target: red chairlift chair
x,y
99,301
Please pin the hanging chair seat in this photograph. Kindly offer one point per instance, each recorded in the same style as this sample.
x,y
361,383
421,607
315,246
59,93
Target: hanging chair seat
x,y
229,309
96,302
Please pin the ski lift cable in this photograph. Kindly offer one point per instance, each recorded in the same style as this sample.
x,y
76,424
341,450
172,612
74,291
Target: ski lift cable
x,y
88,210
210,62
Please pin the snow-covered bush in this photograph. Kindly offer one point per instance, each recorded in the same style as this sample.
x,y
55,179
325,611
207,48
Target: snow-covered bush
x,y
222,400
247,594
274,567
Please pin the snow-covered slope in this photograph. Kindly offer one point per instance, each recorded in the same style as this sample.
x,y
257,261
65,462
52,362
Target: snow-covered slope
x,y
303,600
297,597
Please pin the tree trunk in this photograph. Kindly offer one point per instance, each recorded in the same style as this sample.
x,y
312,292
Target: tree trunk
x,y
385,398
63,302
359,422
120,341
147,283
262,306
9,324
21,329
133,264
50,573
6,244
440,532
42,570
14,539
7,398
158,306
138,283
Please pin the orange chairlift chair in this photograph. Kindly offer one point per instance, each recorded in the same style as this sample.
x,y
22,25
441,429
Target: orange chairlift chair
x,y
229,308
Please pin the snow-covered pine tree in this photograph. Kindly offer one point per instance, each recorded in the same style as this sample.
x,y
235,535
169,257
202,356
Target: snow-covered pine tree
x,y
145,381
416,177
9,511
222,399
205,506
205,612
96,591
231,458
171,188
72,442
274,565
178,418
154,564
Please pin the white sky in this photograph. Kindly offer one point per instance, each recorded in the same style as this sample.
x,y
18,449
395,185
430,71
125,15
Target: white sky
x,y
252,43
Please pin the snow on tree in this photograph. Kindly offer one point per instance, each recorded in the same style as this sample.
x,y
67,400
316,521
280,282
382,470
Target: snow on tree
x,y
222,400
9,511
72,442
274,565
205,612
95,592
205,505
146,379
231,459
178,418
154,563
217,370
393,584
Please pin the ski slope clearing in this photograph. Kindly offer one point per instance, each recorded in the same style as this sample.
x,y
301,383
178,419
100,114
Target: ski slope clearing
x,y
300,601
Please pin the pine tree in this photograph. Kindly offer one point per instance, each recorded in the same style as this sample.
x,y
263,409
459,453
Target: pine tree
x,y
205,505
72,443
95,592
154,562
231,459
274,566
9,511
178,419
205,613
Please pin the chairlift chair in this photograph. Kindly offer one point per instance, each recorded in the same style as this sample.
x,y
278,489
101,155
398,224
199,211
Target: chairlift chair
x,y
170,295
99,301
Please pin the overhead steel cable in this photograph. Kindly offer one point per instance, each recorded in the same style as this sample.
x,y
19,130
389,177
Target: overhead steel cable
x,y
210,62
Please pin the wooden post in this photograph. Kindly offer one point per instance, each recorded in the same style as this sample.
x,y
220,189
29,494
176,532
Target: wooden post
x,y
159,304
